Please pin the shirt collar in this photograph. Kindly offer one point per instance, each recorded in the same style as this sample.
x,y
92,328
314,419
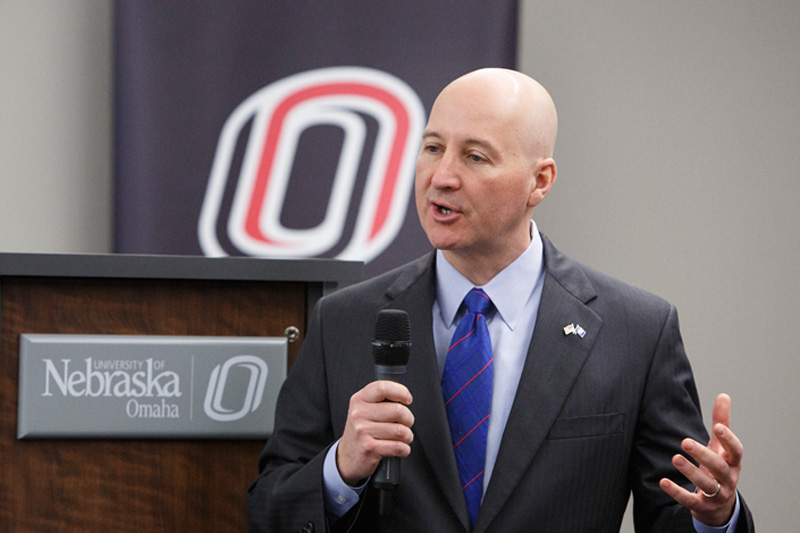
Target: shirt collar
x,y
509,290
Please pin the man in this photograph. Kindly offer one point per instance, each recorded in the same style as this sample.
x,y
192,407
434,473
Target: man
x,y
591,396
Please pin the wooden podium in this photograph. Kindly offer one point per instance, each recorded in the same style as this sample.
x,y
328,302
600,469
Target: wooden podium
x,y
140,485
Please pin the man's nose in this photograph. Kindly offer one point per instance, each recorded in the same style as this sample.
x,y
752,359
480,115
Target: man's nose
x,y
446,175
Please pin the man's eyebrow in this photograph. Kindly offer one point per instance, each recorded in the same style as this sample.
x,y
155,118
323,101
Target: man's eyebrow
x,y
483,143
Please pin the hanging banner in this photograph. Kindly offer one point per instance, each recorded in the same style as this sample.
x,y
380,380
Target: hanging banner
x,y
285,129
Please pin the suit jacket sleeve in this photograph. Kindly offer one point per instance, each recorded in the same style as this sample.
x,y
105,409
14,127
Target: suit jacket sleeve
x,y
670,411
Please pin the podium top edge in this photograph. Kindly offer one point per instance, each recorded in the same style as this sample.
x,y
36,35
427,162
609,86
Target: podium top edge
x,y
136,266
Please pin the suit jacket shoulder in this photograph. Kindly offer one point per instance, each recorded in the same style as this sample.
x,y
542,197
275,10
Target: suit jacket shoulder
x,y
587,284
368,294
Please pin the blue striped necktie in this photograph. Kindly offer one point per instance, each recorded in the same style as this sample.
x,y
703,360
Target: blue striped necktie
x,y
467,389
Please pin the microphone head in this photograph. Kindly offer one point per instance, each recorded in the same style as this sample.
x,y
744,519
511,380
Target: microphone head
x,y
392,341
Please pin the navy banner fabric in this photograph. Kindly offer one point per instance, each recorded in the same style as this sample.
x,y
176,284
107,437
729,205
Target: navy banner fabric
x,y
285,129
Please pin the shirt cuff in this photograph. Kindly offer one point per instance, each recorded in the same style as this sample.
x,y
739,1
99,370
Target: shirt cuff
x,y
339,496
730,527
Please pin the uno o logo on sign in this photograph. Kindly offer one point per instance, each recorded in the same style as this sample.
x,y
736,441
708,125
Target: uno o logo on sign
x,y
212,404
280,113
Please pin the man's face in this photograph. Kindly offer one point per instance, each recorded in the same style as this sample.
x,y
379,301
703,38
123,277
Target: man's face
x,y
474,179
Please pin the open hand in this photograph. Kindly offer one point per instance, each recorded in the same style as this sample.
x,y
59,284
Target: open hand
x,y
717,473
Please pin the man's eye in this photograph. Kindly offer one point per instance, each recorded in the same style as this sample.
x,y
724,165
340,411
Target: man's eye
x,y
432,149
476,158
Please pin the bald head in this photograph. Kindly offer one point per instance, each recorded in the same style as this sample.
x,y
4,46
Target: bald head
x,y
510,98
484,164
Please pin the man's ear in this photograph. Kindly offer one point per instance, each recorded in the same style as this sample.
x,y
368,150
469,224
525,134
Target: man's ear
x,y
545,175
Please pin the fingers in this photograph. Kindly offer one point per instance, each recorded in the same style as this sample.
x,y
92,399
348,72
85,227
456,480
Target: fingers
x,y
678,493
381,421
379,391
378,425
718,467
721,413
732,448
711,470
721,463
379,407
715,474
714,511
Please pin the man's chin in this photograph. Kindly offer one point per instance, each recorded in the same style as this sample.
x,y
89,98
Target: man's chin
x,y
444,244
442,238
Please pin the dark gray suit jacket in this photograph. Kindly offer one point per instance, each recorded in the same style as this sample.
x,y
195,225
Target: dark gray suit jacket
x,y
594,417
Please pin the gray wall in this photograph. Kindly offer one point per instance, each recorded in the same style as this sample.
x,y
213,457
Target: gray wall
x,y
678,169
55,126
677,158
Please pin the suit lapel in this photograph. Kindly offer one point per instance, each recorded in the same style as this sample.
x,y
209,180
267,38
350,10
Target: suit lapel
x,y
553,363
415,293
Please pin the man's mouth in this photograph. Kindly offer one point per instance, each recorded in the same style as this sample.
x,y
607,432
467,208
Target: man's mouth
x,y
443,210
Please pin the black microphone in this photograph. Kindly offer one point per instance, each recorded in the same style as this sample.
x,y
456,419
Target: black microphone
x,y
390,349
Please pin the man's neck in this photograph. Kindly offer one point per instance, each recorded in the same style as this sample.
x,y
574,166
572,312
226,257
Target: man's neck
x,y
480,270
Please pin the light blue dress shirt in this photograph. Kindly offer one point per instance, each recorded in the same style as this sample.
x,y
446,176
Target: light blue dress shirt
x,y
515,293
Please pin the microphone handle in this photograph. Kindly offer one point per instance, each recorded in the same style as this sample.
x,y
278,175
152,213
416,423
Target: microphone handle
x,y
396,373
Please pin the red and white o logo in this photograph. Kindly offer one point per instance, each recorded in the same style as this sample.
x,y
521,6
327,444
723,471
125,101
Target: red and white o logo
x,y
280,113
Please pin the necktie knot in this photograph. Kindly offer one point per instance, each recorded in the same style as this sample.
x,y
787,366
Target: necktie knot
x,y
477,302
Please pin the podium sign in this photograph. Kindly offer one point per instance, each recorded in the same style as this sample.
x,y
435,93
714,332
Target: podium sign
x,y
140,386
